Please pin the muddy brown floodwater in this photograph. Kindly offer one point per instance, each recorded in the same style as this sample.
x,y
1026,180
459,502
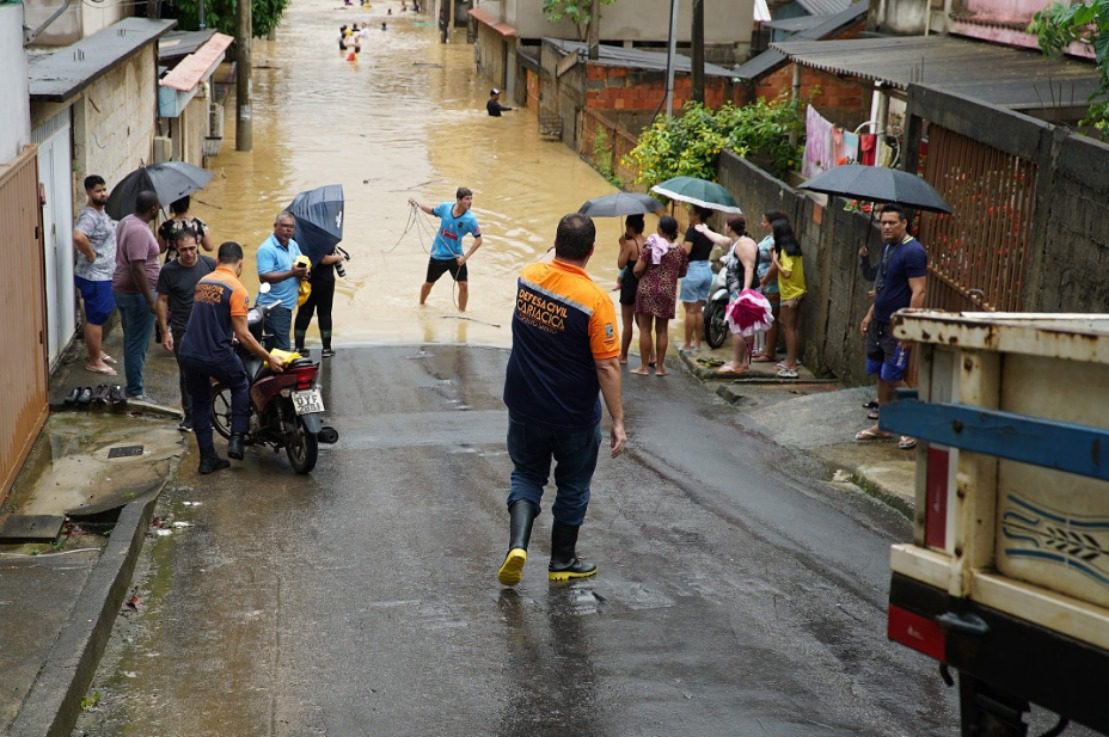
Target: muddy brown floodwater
x,y
406,120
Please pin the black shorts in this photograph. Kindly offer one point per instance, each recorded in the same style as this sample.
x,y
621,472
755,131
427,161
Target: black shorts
x,y
436,268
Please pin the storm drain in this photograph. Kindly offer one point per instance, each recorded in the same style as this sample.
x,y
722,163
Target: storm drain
x,y
123,451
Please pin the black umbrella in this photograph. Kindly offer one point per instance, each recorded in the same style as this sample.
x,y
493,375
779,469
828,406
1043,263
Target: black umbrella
x,y
319,214
619,204
171,181
878,184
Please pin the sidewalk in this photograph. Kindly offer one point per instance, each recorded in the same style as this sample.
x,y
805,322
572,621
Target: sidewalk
x,y
100,470
816,416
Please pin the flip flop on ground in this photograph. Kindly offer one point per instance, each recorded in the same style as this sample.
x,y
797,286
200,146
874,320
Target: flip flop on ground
x,y
106,370
906,442
870,434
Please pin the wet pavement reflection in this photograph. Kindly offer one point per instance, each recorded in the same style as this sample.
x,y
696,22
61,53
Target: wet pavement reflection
x,y
405,120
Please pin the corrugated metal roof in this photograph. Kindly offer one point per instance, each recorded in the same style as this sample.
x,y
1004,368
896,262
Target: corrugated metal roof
x,y
199,66
798,24
772,58
182,43
824,7
1000,75
619,56
60,75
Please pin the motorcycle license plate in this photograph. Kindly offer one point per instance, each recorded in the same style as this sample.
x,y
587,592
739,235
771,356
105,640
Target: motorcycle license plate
x,y
307,402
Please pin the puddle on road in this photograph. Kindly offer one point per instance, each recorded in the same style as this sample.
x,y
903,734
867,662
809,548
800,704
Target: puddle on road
x,y
70,466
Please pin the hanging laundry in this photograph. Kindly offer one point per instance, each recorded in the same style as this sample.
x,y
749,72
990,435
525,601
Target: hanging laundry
x,y
818,135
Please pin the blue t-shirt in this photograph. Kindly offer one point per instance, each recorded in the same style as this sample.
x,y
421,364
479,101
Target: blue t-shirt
x,y
906,260
448,241
272,257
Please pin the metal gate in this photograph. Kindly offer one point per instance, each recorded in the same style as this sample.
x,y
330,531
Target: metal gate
x,y
978,256
23,402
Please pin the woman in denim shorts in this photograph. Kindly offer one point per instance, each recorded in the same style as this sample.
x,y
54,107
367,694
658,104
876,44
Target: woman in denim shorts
x,y
698,279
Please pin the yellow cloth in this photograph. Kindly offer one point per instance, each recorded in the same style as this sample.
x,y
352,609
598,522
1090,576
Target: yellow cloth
x,y
305,289
286,357
794,286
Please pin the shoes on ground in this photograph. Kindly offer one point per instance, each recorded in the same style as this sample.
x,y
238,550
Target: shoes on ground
x,y
100,394
186,425
73,395
787,373
235,446
327,353
85,396
115,394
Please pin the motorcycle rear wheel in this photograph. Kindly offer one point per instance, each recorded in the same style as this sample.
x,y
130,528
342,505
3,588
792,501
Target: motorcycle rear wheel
x,y
303,449
221,410
716,329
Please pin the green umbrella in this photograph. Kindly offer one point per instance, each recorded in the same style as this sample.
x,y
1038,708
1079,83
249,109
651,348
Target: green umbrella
x,y
698,192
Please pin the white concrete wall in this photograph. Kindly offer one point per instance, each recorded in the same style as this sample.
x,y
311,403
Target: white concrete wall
x,y
726,21
81,19
15,112
114,120
905,17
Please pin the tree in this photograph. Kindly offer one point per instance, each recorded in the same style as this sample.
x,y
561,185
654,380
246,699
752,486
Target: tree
x,y
220,14
1057,26
577,12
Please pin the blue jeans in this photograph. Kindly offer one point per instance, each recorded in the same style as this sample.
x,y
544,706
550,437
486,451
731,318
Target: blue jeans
x,y
531,447
279,322
138,325
230,373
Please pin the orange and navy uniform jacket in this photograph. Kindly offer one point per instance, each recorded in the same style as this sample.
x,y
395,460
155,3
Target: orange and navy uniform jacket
x,y
219,296
562,325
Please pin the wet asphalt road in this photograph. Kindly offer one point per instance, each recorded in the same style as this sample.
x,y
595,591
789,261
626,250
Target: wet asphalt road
x,y
732,599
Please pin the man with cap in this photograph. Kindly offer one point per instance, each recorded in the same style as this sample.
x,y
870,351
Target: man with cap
x,y
494,106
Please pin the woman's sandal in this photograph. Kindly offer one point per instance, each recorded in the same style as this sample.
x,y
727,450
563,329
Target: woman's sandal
x,y
870,434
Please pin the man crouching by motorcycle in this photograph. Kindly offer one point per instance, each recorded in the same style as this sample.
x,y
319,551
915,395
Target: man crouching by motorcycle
x,y
219,312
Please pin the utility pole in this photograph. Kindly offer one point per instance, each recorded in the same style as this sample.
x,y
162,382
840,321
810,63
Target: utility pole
x,y
595,30
671,51
244,127
698,38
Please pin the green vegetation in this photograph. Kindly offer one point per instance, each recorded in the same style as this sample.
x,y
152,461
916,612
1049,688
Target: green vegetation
x,y
89,702
578,11
690,145
1057,26
220,14
602,158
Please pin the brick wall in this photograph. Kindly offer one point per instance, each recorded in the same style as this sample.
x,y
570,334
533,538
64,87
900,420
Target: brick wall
x,y
620,88
114,122
844,102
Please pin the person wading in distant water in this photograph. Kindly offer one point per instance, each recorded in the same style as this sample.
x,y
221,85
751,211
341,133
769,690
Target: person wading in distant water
x,y
493,106
446,251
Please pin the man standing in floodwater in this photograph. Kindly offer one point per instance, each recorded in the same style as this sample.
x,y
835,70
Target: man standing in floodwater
x,y
493,106
455,221
565,349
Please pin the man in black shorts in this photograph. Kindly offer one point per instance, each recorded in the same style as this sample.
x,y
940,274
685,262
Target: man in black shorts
x,y
456,221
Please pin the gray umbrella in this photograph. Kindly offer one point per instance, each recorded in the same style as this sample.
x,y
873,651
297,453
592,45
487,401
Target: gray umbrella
x,y
878,184
619,204
171,181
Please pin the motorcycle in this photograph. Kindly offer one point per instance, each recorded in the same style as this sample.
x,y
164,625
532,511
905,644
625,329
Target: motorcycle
x,y
716,329
286,409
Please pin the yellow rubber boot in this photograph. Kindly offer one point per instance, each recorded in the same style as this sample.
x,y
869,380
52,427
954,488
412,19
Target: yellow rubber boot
x,y
512,570
521,516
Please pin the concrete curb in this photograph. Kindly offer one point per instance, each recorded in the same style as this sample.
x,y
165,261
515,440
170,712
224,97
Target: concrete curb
x,y
54,702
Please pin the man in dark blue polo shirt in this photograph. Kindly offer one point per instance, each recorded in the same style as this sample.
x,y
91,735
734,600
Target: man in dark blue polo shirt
x,y
901,276
218,313
565,346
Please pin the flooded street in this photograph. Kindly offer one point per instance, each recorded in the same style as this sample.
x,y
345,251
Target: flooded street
x,y
406,120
